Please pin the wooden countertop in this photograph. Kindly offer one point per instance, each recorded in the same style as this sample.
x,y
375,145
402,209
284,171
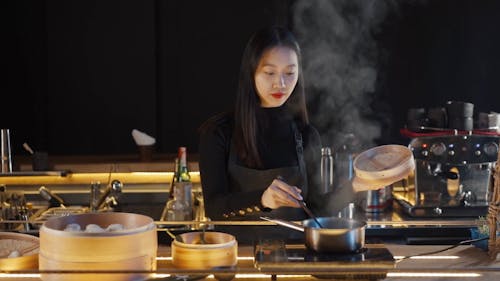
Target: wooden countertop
x,y
454,264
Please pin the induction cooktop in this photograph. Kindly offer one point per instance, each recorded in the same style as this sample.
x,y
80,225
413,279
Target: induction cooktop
x,y
371,261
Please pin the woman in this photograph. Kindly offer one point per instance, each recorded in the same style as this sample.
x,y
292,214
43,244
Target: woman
x,y
264,156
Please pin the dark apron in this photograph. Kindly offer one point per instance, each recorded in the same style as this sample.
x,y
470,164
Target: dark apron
x,y
243,179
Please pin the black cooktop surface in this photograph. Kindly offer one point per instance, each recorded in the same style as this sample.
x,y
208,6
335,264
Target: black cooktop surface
x,y
276,255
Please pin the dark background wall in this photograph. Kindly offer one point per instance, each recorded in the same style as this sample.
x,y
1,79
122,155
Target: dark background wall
x,y
81,74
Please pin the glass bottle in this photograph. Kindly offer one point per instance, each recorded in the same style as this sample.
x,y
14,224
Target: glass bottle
x,y
175,178
184,179
177,207
183,168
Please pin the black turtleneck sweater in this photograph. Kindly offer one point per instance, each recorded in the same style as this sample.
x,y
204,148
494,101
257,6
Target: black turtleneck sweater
x,y
276,146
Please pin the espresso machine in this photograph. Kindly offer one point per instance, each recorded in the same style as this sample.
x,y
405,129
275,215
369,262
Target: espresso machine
x,y
453,175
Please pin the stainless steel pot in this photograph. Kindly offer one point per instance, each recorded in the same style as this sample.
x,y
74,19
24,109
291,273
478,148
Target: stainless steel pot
x,y
338,235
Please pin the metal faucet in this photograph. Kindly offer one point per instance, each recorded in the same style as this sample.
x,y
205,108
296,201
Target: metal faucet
x,y
107,198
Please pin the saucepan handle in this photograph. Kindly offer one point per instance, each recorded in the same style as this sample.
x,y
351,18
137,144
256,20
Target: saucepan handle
x,y
285,223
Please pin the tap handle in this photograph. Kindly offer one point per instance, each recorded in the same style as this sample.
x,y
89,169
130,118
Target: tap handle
x,y
116,186
51,197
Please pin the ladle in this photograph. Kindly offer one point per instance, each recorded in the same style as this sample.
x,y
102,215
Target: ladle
x,y
202,235
175,237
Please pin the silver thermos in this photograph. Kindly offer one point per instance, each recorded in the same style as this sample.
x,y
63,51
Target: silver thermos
x,y
326,170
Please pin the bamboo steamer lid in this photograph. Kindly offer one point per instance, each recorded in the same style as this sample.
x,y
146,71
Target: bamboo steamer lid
x,y
10,241
382,166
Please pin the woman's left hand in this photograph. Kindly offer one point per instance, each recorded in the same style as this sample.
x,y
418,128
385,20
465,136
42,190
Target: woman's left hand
x,y
280,194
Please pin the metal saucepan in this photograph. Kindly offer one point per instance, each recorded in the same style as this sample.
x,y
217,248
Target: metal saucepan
x,y
338,235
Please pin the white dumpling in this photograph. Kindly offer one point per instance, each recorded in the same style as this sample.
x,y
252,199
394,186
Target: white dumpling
x,y
93,228
14,254
115,227
73,227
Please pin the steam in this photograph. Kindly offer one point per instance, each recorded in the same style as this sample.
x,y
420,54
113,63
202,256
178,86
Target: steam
x,y
340,64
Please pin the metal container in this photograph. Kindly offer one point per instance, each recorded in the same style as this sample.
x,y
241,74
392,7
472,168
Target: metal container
x,y
326,170
338,235
375,201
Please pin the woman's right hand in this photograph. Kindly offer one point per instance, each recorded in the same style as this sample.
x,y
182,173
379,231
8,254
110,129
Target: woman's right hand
x,y
280,194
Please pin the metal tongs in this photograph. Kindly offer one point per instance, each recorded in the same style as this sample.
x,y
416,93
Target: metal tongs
x,y
309,212
303,205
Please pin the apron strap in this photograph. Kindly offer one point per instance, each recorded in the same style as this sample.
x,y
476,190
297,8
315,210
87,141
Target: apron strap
x,y
299,148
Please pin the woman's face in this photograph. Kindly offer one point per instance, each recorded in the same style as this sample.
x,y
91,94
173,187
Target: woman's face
x,y
276,76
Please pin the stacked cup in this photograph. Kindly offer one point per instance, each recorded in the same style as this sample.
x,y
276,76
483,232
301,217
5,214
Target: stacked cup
x,y
460,115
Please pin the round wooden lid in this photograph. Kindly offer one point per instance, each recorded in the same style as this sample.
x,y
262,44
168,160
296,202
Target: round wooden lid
x,y
381,166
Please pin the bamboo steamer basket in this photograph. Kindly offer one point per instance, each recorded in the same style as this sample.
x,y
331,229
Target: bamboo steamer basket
x,y
10,241
220,250
382,166
131,249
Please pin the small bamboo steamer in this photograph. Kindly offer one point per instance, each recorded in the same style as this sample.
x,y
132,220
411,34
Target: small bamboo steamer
x,y
219,250
134,248
27,260
382,166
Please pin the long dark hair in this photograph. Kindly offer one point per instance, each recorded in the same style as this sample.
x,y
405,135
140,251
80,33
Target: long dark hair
x,y
247,99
